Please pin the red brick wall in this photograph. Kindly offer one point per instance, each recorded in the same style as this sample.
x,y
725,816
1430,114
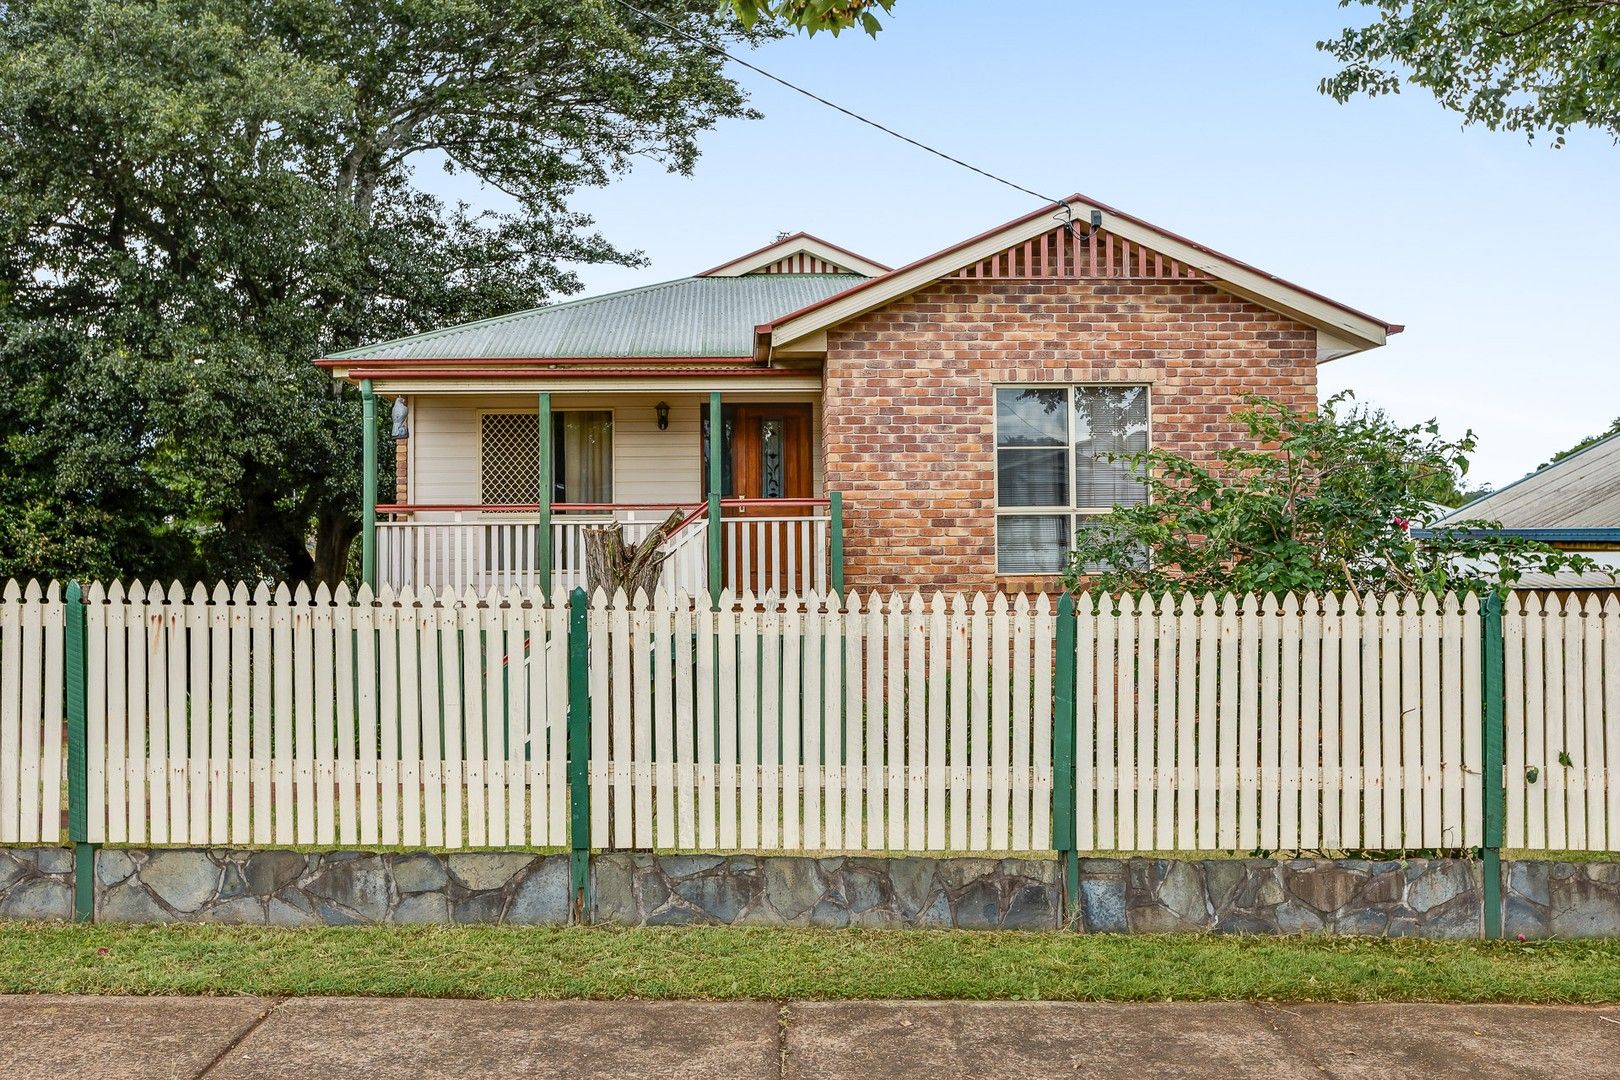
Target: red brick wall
x,y
402,475
909,410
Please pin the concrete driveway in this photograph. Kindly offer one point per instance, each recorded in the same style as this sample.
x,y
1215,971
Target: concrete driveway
x,y
339,1037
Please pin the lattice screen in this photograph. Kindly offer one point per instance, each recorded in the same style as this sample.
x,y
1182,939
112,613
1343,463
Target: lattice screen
x,y
511,458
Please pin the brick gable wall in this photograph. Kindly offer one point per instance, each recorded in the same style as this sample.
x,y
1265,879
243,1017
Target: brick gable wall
x,y
909,408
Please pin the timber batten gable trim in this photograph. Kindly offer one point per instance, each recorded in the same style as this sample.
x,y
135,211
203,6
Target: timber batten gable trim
x,y
800,253
1340,322
1074,253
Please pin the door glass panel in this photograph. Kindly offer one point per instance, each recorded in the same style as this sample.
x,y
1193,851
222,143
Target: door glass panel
x,y
771,479
728,487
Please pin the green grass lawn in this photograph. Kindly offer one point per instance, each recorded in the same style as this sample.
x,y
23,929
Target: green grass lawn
x,y
733,963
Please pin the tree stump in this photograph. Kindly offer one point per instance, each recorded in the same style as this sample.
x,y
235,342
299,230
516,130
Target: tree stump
x,y
611,563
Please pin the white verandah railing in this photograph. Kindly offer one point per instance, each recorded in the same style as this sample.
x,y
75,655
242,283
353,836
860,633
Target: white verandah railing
x,y
764,547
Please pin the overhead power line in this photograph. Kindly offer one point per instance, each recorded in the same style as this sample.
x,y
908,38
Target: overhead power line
x,y
831,104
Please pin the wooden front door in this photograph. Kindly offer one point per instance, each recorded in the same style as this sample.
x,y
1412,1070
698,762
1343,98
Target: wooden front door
x,y
770,460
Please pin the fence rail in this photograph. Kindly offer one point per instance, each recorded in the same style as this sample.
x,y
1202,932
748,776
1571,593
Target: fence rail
x,y
883,722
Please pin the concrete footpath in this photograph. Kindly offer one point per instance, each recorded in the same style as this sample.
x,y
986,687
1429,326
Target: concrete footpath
x,y
382,1037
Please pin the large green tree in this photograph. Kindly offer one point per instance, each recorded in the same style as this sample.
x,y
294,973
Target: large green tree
x,y
1536,66
198,197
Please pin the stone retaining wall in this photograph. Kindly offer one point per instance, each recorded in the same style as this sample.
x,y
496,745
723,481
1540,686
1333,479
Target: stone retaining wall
x,y
290,888
1409,898
36,883
749,890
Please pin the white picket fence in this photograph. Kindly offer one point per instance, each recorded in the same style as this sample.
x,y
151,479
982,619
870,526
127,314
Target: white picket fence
x,y
883,722
1280,725
287,718
917,724
31,732
1562,768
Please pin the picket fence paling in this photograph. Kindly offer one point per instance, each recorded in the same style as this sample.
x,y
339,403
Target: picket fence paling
x,y
815,723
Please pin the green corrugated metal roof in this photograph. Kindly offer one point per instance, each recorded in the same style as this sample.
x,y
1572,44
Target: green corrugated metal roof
x,y
1580,492
697,316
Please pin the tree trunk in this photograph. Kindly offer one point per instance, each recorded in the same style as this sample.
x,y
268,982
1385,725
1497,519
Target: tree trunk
x,y
612,564
334,535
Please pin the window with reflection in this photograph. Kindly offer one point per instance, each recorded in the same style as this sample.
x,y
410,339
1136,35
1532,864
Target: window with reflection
x,y
1054,467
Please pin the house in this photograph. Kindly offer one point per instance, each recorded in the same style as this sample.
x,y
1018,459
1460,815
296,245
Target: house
x,y
1573,505
823,421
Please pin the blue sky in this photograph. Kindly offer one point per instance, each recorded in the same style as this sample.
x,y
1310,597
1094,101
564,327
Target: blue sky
x,y
1499,256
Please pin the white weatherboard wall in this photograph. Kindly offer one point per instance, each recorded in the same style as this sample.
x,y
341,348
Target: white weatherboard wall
x,y
649,465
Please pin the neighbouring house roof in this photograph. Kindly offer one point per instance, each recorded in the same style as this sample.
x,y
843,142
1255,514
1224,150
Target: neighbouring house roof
x,y
690,318
1574,500
796,254
1351,330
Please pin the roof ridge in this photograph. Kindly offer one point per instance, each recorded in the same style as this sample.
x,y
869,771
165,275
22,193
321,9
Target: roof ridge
x,y
450,331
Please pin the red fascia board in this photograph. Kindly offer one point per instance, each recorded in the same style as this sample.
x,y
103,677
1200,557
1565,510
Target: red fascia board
x,y
561,373
766,328
777,243
581,361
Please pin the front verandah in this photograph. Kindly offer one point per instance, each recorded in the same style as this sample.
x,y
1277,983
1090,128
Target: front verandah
x,y
497,480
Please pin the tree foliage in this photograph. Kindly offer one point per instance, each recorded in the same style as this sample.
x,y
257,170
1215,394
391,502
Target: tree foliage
x,y
1517,65
813,16
1613,429
199,197
1321,501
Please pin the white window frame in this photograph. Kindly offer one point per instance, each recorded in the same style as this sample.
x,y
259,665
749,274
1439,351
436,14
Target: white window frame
x,y
1072,511
556,414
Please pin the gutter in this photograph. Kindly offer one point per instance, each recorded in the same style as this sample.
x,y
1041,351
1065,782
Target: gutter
x,y
1550,536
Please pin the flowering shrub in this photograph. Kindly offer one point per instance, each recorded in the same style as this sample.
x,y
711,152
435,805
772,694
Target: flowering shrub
x,y
1322,502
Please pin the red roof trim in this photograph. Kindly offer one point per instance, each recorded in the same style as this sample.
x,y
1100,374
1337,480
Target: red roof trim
x,y
583,361
765,328
786,239
435,372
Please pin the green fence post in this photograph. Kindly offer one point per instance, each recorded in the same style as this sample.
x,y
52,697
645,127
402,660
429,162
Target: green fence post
x,y
1063,689
73,676
579,755
835,539
1495,705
